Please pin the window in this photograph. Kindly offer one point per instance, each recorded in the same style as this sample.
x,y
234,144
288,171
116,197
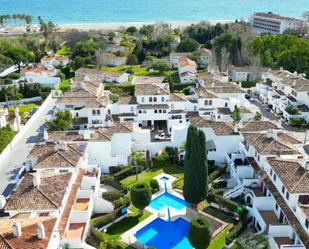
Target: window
x,y
139,111
143,99
76,114
93,112
144,111
172,106
194,108
164,111
150,99
160,111
155,111
307,223
258,157
283,189
98,112
277,207
206,102
287,195
162,99
131,108
271,172
210,102
275,177
155,99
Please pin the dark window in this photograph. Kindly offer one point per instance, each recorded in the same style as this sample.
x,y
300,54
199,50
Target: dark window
x,y
275,177
93,112
160,111
155,111
150,99
162,99
98,112
307,223
271,172
140,111
283,189
277,206
164,111
155,99
210,102
287,195
206,102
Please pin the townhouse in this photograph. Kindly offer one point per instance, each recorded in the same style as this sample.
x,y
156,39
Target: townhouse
x,y
187,70
87,100
267,172
285,93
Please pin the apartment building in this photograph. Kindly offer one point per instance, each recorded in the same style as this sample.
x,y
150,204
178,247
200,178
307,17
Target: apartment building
x,y
262,22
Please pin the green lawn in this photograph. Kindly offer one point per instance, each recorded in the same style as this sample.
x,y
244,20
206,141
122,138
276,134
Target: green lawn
x,y
6,136
24,108
146,176
219,241
114,232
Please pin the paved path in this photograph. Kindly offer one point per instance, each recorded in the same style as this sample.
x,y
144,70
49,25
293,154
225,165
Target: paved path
x,y
10,166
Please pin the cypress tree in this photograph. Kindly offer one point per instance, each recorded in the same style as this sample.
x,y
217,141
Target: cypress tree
x,y
195,173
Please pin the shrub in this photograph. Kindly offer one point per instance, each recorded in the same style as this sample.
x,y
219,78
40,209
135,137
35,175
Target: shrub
x,y
234,233
199,233
154,184
127,171
227,203
115,169
217,173
140,196
297,122
112,196
103,220
162,160
108,180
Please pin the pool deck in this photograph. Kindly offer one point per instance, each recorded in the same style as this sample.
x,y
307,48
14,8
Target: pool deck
x,y
185,213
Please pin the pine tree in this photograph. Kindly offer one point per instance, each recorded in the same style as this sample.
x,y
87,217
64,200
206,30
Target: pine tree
x,y
195,175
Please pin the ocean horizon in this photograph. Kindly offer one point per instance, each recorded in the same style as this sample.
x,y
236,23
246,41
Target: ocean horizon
x,y
121,11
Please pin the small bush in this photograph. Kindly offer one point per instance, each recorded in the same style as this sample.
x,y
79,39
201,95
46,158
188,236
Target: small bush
x,y
115,169
127,171
108,180
154,184
234,233
112,196
103,220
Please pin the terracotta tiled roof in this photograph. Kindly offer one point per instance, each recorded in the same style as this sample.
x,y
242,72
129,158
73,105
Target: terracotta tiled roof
x,y
124,100
185,61
220,128
202,92
148,80
227,88
48,195
49,157
294,177
268,146
29,238
177,97
95,72
150,89
288,138
70,201
256,126
293,220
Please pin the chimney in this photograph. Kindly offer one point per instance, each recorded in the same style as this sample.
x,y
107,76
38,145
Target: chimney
x,y
305,164
271,134
16,229
41,231
36,179
236,128
87,134
2,202
61,145
45,135
86,78
294,83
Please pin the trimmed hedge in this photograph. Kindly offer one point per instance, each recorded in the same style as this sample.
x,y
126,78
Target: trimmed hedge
x,y
108,180
180,87
103,220
127,171
115,169
216,173
154,184
227,203
112,196
220,184
234,233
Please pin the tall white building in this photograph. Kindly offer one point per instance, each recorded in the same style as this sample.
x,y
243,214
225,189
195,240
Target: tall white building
x,y
262,22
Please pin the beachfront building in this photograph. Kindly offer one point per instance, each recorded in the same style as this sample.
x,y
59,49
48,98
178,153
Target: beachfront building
x,y
40,74
262,22
55,61
104,76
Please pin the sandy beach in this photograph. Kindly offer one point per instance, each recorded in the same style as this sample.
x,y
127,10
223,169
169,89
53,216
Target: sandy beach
x,y
121,26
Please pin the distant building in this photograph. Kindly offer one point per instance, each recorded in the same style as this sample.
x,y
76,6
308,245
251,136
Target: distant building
x,y
262,22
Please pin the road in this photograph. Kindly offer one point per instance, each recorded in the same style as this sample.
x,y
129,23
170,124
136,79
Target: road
x,y
10,166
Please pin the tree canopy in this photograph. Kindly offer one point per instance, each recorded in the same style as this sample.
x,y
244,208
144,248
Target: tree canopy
x,y
199,233
140,196
188,45
196,168
62,121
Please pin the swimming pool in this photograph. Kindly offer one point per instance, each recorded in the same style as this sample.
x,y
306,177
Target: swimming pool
x,y
165,235
167,200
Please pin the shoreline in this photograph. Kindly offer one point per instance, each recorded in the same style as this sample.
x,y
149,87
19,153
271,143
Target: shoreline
x,y
123,25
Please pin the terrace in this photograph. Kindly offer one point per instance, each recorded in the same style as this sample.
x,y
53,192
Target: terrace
x,y
75,231
82,204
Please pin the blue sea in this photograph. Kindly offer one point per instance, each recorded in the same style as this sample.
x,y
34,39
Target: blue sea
x,y
115,11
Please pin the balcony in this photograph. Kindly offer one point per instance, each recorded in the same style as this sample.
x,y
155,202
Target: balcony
x,y
75,231
82,204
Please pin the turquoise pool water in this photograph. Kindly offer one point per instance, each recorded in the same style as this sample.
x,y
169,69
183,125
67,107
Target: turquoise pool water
x,y
167,200
165,235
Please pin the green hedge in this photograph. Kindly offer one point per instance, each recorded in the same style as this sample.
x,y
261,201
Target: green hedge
x,y
127,171
216,173
109,180
102,220
121,89
112,196
227,203
115,169
248,84
181,87
234,233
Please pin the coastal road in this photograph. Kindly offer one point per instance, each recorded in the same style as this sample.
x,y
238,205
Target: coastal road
x,y
10,166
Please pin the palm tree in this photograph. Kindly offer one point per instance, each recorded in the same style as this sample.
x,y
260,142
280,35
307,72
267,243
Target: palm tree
x,y
136,157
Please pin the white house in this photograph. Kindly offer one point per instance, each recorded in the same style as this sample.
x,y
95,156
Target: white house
x,y
104,76
55,61
187,70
